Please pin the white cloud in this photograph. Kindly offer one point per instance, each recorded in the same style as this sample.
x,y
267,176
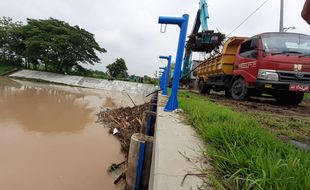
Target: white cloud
x,y
129,29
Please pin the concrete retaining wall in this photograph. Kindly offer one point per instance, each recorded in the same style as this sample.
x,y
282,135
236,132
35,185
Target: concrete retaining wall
x,y
121,86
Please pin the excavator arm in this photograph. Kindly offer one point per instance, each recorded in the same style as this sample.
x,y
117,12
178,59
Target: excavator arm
x,y
204,41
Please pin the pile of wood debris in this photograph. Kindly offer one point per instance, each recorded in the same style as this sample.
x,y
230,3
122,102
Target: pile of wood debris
x,y
124,122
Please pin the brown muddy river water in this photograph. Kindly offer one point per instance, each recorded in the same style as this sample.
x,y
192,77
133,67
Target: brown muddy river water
x,y
49,138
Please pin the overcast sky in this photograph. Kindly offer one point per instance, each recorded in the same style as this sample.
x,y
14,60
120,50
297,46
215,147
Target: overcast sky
x,y
129,29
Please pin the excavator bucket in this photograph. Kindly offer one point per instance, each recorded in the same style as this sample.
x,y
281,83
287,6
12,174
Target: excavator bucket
x,y
205,41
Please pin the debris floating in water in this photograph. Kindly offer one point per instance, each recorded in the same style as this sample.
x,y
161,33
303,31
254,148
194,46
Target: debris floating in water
x,y
115,131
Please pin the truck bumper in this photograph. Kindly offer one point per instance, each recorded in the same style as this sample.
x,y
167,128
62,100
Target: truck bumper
x,y
277,86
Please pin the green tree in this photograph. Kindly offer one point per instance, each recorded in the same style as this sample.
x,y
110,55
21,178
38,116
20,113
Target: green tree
x,y
118,69
51,44
10,45
58,45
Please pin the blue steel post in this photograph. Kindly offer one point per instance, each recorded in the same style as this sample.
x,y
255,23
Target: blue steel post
x,y
151,119
162,77
140,166
160,81
182,22
167,74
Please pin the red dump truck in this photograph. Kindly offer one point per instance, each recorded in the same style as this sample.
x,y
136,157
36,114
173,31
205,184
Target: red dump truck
x,y
272,63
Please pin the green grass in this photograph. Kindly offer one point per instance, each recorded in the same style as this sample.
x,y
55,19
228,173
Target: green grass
x,y
6,68
307,96
244,155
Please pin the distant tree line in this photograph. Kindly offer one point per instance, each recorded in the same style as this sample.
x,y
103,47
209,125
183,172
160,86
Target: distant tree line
x,y
51,44
118,70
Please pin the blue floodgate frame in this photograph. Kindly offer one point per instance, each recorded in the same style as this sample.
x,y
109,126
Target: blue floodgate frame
x,y
167,74
182,22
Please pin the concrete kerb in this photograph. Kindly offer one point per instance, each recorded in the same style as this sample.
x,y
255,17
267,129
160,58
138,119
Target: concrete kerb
x,y
177,152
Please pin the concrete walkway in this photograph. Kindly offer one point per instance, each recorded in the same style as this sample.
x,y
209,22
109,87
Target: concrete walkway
x,y
121,86
177,151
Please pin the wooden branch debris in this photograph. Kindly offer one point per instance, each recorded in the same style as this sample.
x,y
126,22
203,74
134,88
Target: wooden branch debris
x,y
127,121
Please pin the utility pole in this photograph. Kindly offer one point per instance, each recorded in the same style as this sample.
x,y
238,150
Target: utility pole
x,y
281,29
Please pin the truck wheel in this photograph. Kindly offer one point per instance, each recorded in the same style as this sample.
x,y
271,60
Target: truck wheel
x,y
290,98
239,89
227,93
204,88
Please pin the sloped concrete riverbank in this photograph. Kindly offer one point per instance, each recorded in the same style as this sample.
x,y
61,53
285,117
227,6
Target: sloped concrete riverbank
x,y
78,81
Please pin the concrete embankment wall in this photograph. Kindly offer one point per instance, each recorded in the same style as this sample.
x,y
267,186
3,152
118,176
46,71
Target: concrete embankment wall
x,y
121,86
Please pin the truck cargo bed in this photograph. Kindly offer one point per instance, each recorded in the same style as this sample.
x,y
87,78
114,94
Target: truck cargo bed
x,y
223,62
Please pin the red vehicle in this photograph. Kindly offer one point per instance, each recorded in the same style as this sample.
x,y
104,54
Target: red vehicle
x,y
270,63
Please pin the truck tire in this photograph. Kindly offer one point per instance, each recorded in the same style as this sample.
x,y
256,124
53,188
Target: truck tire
x,y
239,90
289,98
204,88
227,93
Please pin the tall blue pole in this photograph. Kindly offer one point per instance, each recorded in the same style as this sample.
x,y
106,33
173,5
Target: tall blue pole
x,y
162,77
167,73
182,22
161,80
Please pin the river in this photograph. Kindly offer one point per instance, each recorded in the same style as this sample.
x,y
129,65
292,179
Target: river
x,y
49,138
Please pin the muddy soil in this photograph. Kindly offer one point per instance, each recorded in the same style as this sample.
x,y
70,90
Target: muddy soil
x,y
287,122
263,104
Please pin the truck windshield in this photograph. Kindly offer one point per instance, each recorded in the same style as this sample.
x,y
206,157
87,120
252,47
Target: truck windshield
x,y
286,43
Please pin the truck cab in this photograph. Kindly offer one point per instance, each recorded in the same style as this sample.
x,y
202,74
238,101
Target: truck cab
x,y
273,63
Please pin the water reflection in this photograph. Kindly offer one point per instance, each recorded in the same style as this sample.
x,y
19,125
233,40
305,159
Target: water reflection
x,y
6,82
49,138
41,109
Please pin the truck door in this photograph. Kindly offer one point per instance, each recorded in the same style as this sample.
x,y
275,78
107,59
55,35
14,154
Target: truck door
x,y
246,63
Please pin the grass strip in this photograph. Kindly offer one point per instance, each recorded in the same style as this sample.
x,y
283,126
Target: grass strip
x,y
245,155
6,68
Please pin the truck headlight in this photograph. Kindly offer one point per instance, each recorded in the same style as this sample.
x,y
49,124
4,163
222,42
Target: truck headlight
x,y
268,75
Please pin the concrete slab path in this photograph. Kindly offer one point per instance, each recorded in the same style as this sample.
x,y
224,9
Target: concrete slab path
x,y
178,151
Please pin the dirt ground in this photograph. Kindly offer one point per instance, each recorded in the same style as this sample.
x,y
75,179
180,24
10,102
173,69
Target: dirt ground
x,y
287,122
